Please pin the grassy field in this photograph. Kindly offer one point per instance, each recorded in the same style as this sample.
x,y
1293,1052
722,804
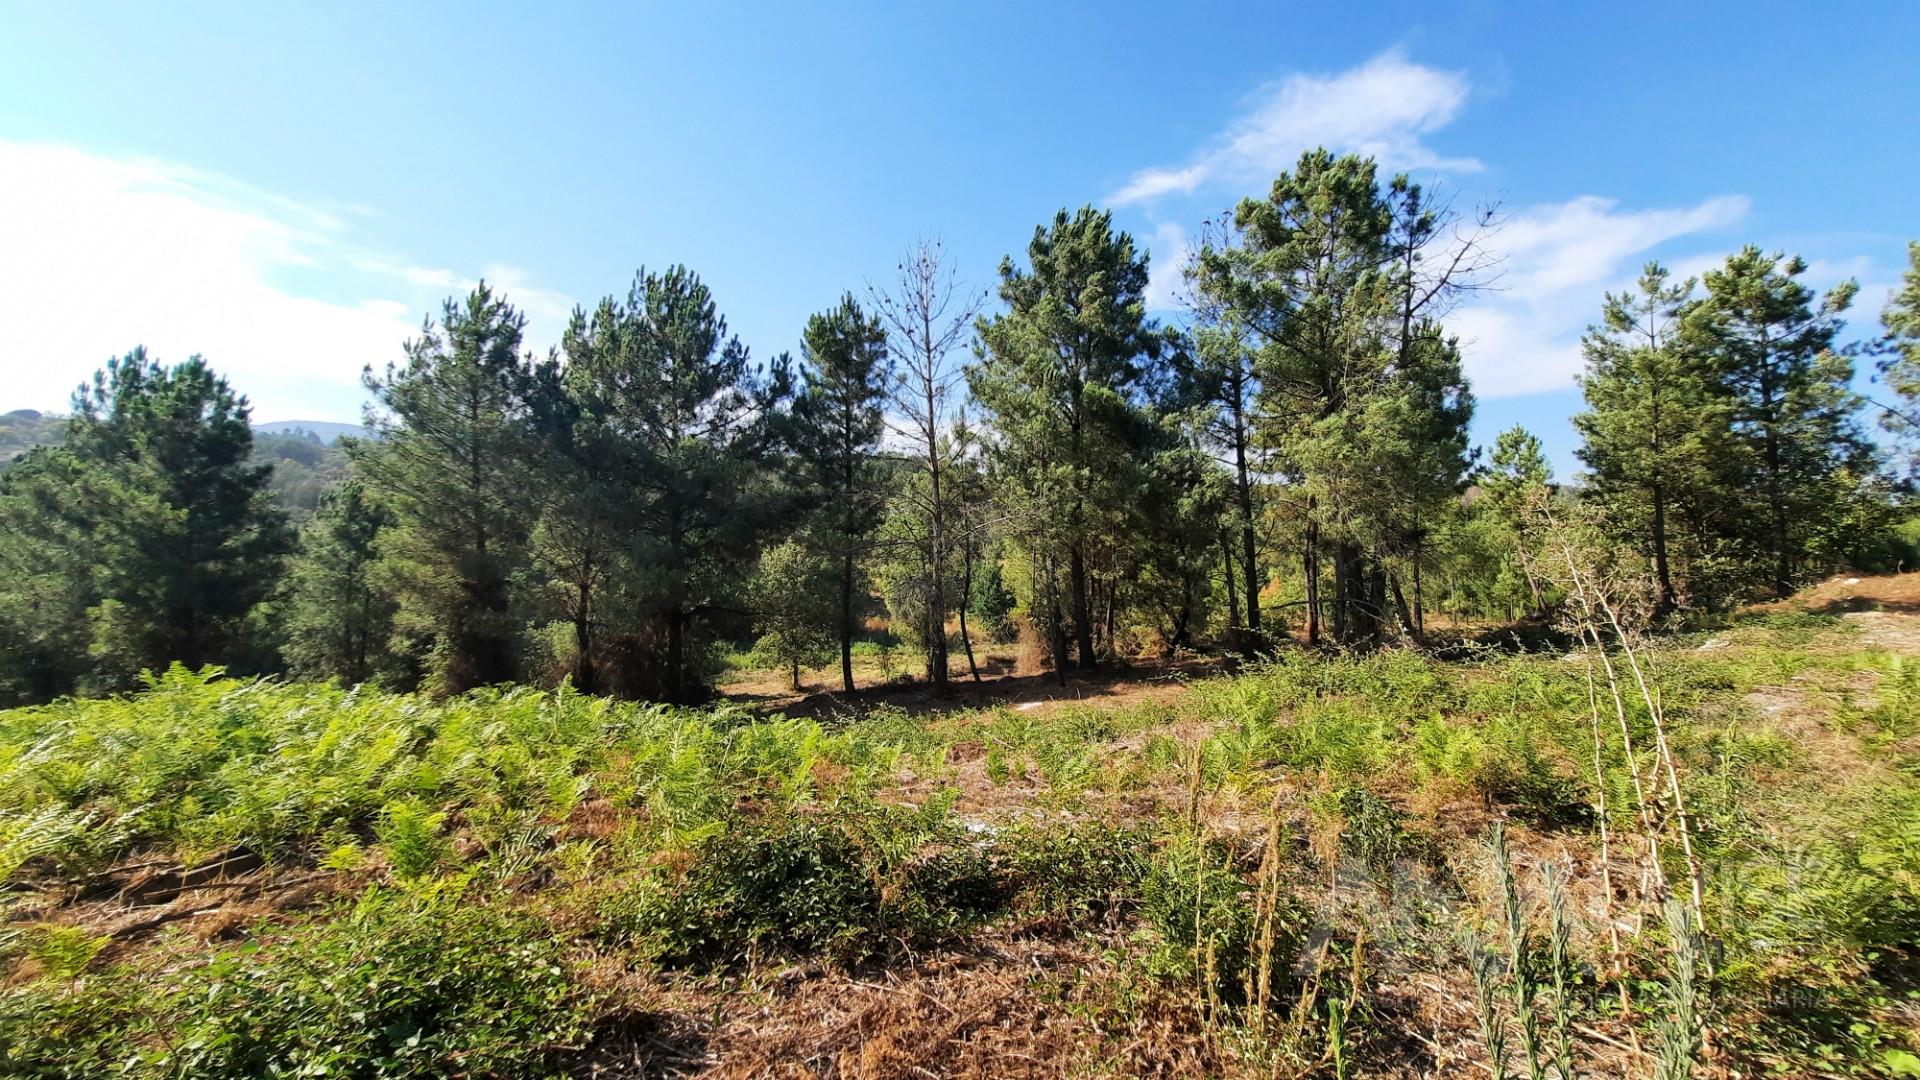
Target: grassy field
x,y
1385,866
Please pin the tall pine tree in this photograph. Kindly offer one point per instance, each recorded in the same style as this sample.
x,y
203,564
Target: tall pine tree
x,y
1769,342
1655,422
1058,382
339,622
451,461
837,424
150,523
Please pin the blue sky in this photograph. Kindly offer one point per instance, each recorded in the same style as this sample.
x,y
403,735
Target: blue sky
x,y
290,191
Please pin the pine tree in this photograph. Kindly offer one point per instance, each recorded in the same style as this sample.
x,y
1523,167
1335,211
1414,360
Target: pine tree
x,y
193,542
339,623
1220,371
48,578
1654,421
837,424
1332,280
152,521
696,428
451,462
1899,364
1770,347
1058,381
586,478
1517,476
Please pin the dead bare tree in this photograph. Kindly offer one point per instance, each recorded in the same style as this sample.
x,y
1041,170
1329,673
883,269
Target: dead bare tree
x,y
928,314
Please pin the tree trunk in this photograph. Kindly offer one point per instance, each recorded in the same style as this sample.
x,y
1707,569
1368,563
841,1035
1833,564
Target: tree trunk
x,y
1229,572
1419,601
676,655
1057,638
1777,503
1082,611
1407,618
1248,549
846,625
1663,602
583,642
966,597
1310,561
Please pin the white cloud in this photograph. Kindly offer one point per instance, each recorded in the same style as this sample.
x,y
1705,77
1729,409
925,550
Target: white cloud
x,y
1523,336
1171,250
99,253
1384,107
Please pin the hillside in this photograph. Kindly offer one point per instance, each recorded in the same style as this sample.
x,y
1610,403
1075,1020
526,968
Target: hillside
x,y
1268,873
329,431
23,429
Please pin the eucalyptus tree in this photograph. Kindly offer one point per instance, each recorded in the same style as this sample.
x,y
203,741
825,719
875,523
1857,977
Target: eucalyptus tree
x,y
1058,381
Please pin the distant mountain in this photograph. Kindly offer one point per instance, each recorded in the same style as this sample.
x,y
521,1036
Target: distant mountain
x,y
328,430
23,429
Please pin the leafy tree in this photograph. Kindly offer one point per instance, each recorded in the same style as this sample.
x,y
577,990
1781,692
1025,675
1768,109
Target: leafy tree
x,y
451,462
693,427
1058,379
1770,347
1655,421
1333,280
339,622
1899,364
1517,477
837,424
149,524
797,596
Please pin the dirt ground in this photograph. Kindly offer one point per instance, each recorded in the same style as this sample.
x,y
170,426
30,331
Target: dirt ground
x,y
1121,684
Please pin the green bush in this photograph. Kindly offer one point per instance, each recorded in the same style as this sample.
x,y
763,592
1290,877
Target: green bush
x,y
1085,874
403,985
851,885
1205,917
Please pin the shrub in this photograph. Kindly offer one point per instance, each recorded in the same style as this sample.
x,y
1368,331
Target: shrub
x,y
1206,918
1082,875
403,985
850,885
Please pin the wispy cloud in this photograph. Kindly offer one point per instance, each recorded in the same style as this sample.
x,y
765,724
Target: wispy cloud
x,y
1523,335
1385,107
103,253
1170,249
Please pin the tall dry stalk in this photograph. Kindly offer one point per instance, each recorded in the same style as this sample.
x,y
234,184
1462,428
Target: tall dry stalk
x,y
1615,955
1595,611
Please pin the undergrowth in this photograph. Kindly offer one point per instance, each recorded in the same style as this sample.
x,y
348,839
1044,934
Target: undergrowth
x,y
1278,850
